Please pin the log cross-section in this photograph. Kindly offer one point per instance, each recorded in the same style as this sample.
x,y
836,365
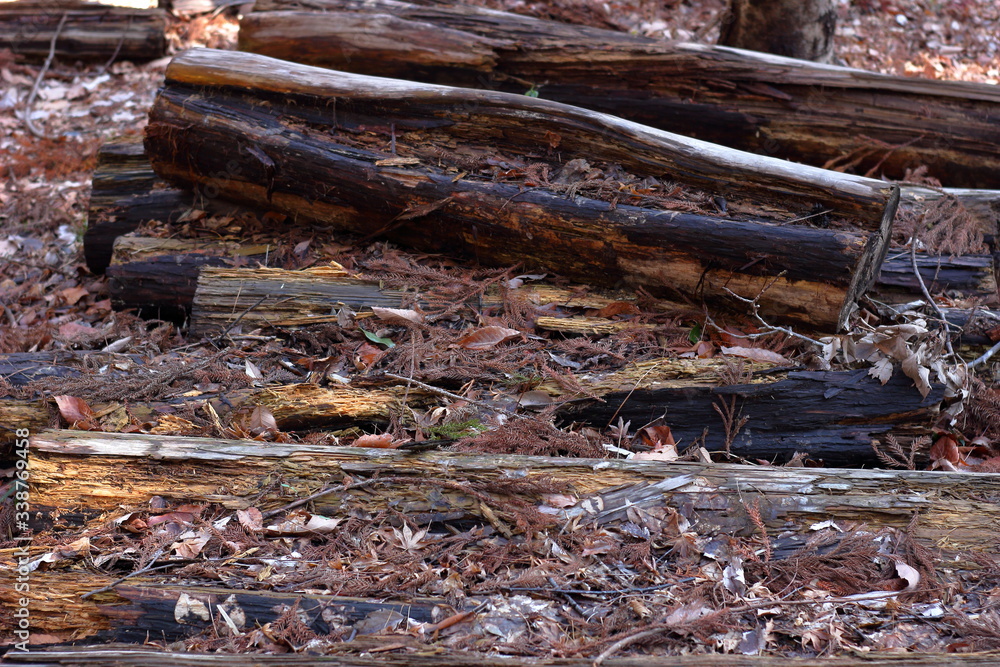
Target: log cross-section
x,y
322,146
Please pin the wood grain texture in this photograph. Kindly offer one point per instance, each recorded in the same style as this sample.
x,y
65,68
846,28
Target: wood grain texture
x,y
265,131
768,104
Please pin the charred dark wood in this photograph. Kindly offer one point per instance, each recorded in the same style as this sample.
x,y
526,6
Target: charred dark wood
x,y
958,277
90,31
158,277
125,193
763,103
270,127
140,610
828,416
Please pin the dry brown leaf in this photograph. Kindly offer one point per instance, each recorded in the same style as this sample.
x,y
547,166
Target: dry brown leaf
x,y
376,441
262,421
251,519
756,354
73,409
398,315
488,337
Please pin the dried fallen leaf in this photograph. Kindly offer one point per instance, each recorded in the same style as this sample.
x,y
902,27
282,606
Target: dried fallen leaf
x,y
756,354
262,421
945,448
377,441
251,519
398,315
488,337
73,409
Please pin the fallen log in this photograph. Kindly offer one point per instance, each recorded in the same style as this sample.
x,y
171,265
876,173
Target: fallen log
x,y
158,277
282,298
831,417
828,416
125,193
82,30
129,656
959,277
793,109
140,610
268,121
110,472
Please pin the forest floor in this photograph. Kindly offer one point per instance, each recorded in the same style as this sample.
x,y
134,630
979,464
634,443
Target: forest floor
x,y
492,362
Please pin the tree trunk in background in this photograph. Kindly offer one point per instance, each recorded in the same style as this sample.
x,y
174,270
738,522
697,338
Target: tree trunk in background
x,y
794,28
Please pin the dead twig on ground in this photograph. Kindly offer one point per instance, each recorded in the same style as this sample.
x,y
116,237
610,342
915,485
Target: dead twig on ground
x,y
41,75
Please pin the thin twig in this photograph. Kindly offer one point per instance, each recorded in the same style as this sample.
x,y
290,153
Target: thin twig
x,y
455,397
927,295
149,566
38,81
982,359
118,47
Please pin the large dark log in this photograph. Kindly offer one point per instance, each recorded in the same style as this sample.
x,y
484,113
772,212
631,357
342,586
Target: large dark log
x,y
763,103
829,416
111,471
90,31
140,610
385,157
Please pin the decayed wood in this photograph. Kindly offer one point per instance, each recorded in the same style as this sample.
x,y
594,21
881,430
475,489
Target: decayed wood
x,y
794,28
127,656
73,469
275,121
159,276
960,277
829,416
126,192
139,610
279,297
763,103
90,31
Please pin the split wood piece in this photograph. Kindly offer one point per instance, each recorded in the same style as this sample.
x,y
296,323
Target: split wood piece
x,y
767,104
138,610
127,656
126,192
308,406
75,470
275,120
294,407
165,269
20,368
284,298
960,277
91,31
159,276
828,416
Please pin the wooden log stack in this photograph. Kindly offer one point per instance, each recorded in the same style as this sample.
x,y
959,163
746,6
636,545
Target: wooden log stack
x,y
498,177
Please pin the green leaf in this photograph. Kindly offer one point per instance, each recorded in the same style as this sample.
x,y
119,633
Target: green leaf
x,y
532,92
375,339
695,334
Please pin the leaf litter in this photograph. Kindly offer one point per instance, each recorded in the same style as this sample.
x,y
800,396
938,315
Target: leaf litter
x,y
519,573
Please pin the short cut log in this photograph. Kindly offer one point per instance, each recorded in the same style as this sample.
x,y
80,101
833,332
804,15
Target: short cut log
x,y
402,160
89,30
